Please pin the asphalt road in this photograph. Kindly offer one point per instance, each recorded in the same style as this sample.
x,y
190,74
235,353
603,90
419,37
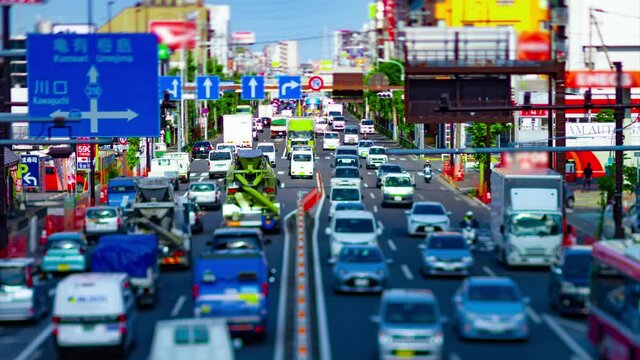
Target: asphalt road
x,y
351,333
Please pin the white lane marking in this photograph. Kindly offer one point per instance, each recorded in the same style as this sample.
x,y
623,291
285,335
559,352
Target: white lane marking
x,y
178,305
185,195
372,195
281,172
572,324
327,157
369,173
553,325
420,196
52,292
380,225
202,178
533,315
278,353
282,185
393,159
375,208
284,153
488,271
365,185
402,159
454,356
392,245
36,343
204,174
57,196
407,272
323,331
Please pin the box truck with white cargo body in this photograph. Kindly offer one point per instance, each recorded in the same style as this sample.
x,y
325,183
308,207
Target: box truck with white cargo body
x,y
238,130
265,111
526,215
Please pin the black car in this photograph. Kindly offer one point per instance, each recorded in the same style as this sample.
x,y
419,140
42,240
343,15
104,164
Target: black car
x,y
266,121
569,281
201,149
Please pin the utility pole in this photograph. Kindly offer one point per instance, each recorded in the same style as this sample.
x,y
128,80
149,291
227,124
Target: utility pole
x,y
619,116
5,95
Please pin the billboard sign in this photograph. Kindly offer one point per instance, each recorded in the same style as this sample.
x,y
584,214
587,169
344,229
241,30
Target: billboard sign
x,y
176,34
601,79
29,170
73,29
243,37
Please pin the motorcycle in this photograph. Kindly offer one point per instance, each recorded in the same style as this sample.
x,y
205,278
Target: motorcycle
x,y
470,234
427,174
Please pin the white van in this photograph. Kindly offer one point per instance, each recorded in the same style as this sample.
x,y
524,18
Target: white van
x,y
219,163
192,339
351,135
269,150
342,194
302,164
94,310
184,162
330,140
165,167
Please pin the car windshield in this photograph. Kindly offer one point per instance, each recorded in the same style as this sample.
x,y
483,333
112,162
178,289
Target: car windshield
x,y
377,151
299,134
267,148
447,242
202,144
354,226
360,255
349,194
414,313
492,293
121,189
346,162
367,122
397,181
219,155
347,152
101,213
321,121
577,265
331,135
63,244
350,206
202,187
351,131
12,275
334,113
239,242
302,157
347,172
428,209
338,118
387,169
528,224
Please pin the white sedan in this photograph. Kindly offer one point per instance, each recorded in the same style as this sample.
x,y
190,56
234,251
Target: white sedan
x,y
427,216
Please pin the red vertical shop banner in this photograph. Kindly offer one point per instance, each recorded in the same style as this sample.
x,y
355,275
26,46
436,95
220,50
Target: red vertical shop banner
x,y
390,16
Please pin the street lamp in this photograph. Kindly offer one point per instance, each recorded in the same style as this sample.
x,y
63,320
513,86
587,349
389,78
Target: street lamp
x,y
394,62
109,5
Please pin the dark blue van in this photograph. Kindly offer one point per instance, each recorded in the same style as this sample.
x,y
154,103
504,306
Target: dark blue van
x,y
121,191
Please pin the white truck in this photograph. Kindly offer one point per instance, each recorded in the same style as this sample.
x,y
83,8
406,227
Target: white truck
x,y
265,111
526,215
238,130
168,168
334,110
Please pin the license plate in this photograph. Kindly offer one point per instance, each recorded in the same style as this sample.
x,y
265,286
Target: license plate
x,y
398,198
362,282
201,149
405,353
428,228
63,267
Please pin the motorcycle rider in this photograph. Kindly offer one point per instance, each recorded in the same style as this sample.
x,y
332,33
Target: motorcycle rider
x,y
427,164
469,219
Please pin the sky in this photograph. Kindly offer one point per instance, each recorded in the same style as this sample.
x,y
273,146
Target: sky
x,y
271,20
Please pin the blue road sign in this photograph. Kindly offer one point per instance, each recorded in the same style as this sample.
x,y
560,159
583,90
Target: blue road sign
x,y
107,81
252,87
172,84
29,170
289,87
208,88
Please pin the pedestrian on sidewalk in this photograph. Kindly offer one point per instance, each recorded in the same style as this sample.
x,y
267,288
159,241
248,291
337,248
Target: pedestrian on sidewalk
x,y
588,174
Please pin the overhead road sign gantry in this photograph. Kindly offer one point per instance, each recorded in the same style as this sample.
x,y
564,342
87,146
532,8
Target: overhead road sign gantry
x,y
208,88
107,81
252,87
171,84
289,87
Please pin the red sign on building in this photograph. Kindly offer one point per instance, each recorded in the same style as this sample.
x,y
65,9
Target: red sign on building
x,y
601,79
534,46
174,33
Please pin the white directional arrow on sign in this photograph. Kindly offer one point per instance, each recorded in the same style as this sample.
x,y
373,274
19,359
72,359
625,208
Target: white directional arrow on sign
x,y
290,85
207,87
253,83
93,74
174,91
29,179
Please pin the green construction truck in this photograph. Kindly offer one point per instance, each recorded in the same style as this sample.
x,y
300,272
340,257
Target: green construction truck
x,y
300,131
252,187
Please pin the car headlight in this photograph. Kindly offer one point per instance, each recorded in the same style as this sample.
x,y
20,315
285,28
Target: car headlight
x,y
467,259
431,259
437,338
568,287
383,338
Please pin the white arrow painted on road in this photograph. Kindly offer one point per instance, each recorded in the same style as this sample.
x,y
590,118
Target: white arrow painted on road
x,y
29,179
207,88
174,91
93,74
291,85
252,84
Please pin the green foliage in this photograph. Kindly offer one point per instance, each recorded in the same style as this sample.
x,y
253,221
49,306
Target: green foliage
x,y
113,172
605,115
132,153
607,184
477,132
391,70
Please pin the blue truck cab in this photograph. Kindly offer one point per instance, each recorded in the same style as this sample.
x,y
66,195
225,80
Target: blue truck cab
x,y
121,191
231,281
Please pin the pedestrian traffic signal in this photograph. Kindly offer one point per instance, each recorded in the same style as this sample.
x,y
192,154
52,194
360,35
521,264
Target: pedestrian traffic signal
x,y
385,95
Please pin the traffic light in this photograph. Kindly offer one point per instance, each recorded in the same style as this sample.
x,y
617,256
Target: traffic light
x,y
587,98
165,107
527,99
444,102
385,95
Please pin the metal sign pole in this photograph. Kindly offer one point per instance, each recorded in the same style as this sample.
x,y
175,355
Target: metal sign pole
x,y
6,97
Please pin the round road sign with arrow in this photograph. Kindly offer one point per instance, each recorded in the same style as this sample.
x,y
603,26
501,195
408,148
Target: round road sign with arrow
x,y
316,83
122,141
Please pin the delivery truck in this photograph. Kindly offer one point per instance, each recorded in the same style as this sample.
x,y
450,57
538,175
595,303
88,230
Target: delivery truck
x,y
237,129
526,215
